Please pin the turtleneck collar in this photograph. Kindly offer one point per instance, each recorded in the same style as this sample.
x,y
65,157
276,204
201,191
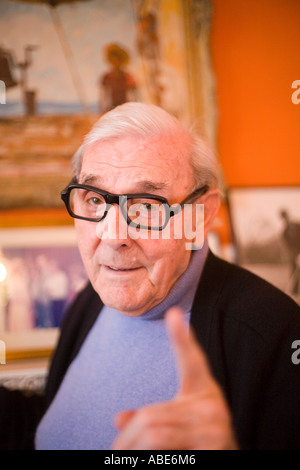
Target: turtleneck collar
x,y
183,292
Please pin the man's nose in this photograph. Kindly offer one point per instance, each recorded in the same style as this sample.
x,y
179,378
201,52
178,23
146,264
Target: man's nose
x,y
113,228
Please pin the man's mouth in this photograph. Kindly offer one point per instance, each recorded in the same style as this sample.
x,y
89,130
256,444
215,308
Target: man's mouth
x,y
113,268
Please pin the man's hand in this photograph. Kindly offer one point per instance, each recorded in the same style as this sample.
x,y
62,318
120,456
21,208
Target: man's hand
x,y
197,418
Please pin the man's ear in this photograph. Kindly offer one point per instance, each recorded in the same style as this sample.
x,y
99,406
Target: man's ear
x,y
211,201
204,212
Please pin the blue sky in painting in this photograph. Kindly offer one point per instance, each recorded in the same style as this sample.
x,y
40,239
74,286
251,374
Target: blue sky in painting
x,y
89,26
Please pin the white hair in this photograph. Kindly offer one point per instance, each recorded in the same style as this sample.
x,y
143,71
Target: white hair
x,y
149,121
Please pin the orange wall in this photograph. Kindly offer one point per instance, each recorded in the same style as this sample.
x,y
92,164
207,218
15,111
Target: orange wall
x,y
256,57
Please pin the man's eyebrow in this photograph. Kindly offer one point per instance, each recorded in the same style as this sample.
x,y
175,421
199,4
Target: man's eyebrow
x,y
141,186
87,179
150,186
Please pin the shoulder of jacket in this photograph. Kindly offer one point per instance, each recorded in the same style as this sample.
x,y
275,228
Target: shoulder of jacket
x,y
231,293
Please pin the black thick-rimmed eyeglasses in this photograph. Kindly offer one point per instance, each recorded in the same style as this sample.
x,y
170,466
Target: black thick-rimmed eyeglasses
x,y
142,211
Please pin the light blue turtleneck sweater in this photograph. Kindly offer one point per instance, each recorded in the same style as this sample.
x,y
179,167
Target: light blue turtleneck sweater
x,y
124,363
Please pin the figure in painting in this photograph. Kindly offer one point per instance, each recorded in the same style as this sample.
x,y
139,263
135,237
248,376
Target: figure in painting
x,y
20,308
43,318
57,287
149,50
14,74
117,85
7,68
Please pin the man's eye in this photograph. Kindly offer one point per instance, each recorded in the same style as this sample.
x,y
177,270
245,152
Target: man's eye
x,y
95,201
146,206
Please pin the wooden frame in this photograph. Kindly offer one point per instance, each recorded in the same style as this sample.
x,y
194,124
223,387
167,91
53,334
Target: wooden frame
x,y
168,44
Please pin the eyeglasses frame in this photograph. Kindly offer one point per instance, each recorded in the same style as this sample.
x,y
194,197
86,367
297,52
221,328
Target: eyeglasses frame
x,y
120,200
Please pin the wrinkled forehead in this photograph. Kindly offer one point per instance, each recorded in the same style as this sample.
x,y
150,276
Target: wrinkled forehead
x,y
163,160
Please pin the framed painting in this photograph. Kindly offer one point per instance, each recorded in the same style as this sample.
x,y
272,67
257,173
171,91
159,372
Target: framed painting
x,y
266,231
65,62
40,273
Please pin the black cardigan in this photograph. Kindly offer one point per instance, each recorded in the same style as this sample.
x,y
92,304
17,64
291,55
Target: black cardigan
x,y
245,325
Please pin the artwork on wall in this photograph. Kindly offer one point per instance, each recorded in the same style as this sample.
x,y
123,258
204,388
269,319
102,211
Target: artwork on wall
x,y
66,62
40,273
266,231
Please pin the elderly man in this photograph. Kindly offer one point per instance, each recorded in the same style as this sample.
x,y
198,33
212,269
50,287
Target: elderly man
x,y
167,347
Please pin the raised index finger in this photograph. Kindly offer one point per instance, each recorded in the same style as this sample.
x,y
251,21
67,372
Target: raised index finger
x,y
193,368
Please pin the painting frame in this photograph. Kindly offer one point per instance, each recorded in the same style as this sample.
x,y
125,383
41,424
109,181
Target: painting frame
x,y
264,243
36,147
36,342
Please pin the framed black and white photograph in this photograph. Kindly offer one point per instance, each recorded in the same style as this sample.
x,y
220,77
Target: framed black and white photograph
x,y
265,225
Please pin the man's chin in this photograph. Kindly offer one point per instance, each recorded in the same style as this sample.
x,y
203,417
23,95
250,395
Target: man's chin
x,y
127,303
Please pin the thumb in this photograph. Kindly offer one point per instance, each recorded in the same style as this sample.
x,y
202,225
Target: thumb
x,y
123,418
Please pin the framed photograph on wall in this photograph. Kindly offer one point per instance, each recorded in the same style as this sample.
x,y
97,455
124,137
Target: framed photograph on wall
x,y
40,273
265,225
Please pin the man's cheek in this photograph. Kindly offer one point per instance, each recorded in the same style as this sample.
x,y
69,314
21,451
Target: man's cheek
x,y
86,236
87,251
